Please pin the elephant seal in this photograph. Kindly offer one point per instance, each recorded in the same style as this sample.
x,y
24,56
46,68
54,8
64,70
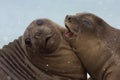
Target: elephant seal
x,y
96,43
40,54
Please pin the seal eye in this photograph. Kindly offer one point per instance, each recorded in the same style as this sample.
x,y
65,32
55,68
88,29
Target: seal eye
x,y
28,41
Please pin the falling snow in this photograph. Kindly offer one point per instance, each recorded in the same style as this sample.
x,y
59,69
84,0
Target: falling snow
x,y
8,78
47,65
68,62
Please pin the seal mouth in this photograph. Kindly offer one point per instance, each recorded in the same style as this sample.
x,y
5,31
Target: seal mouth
x,y
69,33
48,39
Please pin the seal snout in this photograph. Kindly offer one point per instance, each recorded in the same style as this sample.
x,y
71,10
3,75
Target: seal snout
x,y
39,22
68,18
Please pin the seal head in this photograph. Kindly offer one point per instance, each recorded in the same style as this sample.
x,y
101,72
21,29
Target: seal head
x,y
42,37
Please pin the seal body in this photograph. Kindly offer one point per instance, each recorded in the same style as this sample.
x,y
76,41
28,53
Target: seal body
x,y
41,53
15,66
96,43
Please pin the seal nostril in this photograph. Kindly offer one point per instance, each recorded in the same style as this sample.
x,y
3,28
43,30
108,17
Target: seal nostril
x,y
68,18
39,22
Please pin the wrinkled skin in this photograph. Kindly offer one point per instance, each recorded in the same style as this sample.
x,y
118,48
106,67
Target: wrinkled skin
x,y
40,54
47,50
96,43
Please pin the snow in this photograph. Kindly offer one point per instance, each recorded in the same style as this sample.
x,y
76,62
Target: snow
x,y
5,38
88,76
9,78
47,65
68,62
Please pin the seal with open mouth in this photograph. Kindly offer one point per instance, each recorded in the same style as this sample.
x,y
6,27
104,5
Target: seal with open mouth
x,y
96,43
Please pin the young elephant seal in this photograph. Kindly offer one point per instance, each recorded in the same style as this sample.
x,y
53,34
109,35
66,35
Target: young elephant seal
x,y
96,43
40,54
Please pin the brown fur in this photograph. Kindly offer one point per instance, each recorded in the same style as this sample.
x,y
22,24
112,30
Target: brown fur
x,y
49,51
40,54
97,45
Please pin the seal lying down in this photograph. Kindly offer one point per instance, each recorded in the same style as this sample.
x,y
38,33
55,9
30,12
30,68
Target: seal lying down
x,y
40,54
96,43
